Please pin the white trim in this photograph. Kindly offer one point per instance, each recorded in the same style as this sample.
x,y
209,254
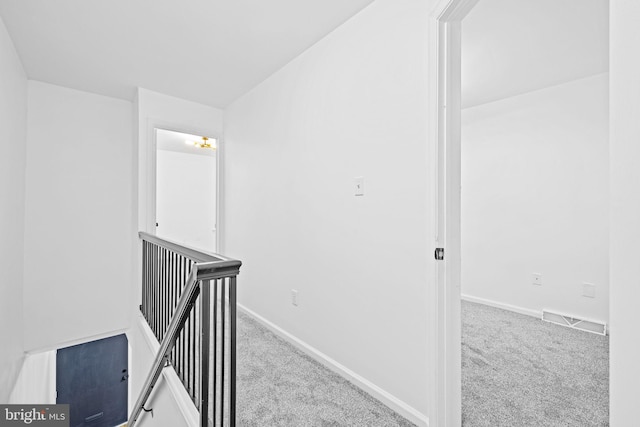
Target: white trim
x,y
386,398
452,10
77,341
444,144
184,402
538,314
526,311
130,397
36,381
53,378
220,195
152,126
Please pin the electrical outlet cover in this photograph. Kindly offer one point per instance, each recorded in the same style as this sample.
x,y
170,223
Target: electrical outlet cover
x,y
589,290
536,279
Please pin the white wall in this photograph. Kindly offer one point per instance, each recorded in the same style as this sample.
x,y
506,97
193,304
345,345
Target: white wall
x,y
185,198
13,134
352,105
155,110
625,211
535,197
78,257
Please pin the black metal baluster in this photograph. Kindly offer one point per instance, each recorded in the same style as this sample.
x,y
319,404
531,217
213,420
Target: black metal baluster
x,y
222,350
196,354
186,354
157,291
172,279
153,289
215,350
167,292
173,308
165,281
178,365
207,377
174,351
205,304
232,370
158,287
144,275
192,360
183,339
144,264
147,269
160,294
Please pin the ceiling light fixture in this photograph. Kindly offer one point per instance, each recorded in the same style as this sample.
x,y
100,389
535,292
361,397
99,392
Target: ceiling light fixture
x,y
202,144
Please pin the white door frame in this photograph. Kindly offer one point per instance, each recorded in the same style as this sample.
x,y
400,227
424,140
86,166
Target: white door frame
x,y
153,125
445,112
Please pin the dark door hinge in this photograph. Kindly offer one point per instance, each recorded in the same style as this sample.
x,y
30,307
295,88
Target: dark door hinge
x,y
439,254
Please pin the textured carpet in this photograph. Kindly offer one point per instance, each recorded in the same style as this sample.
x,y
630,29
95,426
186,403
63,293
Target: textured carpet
x,y
520,371
280,386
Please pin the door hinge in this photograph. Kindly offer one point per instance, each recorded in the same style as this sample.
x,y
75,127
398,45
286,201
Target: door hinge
x,y
439,254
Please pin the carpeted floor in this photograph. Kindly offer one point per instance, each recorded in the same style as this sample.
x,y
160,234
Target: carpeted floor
x,y
520,371
280,386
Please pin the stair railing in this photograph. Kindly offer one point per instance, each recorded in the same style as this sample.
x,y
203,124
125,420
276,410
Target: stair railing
x,y
184,300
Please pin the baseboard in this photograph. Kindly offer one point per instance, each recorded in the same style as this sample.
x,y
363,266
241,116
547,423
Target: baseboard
x,y
516,309
14,373
508,307
386,398
36,382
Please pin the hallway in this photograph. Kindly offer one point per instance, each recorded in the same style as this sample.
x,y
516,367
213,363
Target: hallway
x,y
280,386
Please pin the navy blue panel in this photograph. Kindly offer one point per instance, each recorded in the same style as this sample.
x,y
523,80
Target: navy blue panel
x,y
93,379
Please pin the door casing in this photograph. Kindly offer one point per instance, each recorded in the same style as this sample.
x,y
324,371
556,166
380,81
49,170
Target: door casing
x,y
445,112
150,217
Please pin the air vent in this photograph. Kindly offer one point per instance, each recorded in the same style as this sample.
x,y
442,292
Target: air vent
x,y
575,322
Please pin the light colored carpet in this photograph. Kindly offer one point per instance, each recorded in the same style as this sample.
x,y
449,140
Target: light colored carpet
x,y
520,371
280,386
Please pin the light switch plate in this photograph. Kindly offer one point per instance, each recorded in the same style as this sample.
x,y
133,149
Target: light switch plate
x,y
358,183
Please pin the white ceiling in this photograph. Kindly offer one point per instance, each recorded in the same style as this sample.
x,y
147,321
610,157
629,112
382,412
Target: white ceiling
x,y
213,51
511,47
169,140
207,51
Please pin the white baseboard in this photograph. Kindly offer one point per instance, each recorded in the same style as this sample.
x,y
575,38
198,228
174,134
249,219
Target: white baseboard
x,y
386,398
516,309
508,307
36,382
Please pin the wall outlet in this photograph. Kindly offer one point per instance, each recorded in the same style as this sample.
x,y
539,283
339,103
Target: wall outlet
x,y
294,297
536,279
588,290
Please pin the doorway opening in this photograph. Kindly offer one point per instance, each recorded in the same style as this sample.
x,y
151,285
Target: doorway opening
x,y
186,202
564,276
